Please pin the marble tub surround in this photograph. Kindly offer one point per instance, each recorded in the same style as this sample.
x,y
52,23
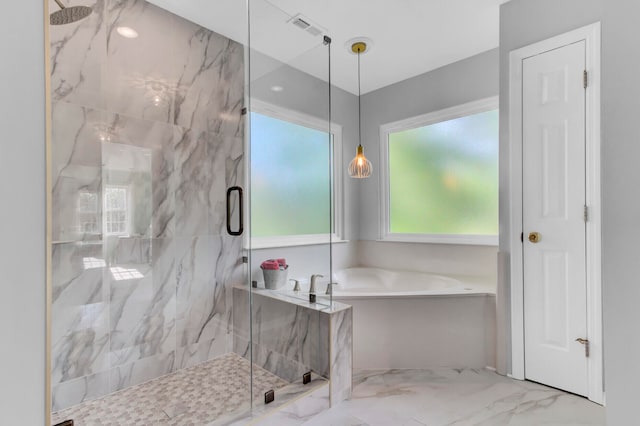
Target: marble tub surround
x,y
292,336
449,397
147,134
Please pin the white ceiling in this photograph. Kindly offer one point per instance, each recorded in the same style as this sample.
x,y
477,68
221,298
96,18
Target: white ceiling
x,y
410,37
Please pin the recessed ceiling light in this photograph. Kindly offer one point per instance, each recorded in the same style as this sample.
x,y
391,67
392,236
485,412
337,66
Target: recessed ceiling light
x,y
127,32
277,88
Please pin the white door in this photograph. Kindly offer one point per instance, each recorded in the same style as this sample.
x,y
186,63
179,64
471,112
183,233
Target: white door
x,y
555,292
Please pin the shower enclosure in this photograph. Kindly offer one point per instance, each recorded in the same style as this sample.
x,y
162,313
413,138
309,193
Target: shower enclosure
x,y
190,142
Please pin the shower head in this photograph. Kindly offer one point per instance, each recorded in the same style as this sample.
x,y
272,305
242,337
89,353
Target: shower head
x,y
67,15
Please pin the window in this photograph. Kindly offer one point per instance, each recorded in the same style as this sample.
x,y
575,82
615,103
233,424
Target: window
x,y
116,210
87,212
294,183
440,176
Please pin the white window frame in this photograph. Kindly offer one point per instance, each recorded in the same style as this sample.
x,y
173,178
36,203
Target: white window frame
x,y
296,117
81,213
458,111
127,212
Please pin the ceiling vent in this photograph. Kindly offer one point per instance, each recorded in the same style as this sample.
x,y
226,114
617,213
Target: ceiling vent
x,y
307,25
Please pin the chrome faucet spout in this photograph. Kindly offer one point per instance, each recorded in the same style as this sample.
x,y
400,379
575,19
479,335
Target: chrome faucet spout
x,y
330,289
312,286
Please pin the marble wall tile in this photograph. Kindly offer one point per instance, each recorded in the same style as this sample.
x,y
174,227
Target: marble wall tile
x,y
341,355
194,182
288,339
197,353
241,318
76,173
141,371
211,86
140,154
275,326
75,391
143,304
143,71
281,365
160,115
93,150
314,343
200,297
79,311
78,55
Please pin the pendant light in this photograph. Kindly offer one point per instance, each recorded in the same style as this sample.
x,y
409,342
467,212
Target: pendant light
x,y
359,167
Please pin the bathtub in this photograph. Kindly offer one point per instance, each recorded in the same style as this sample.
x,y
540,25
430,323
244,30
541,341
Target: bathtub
x,y
380,283
404,319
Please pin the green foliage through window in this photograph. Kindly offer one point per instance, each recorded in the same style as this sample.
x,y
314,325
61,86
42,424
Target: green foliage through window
x,y
443,178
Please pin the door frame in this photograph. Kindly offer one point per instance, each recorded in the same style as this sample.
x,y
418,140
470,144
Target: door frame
x,y
591,35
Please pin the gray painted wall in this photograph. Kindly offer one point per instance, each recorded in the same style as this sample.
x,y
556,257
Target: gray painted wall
x,y
22,224
621,232
463,81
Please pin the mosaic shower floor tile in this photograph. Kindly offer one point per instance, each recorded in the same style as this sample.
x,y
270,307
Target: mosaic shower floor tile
x,y
194,396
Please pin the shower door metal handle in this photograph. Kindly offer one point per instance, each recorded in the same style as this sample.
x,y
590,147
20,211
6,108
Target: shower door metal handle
x,y
240,212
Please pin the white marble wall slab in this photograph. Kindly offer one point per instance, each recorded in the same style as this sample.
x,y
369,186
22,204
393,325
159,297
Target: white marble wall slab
x,y
341,353
141,371
72,392
78,58
161,115
290,338
143,308
80,311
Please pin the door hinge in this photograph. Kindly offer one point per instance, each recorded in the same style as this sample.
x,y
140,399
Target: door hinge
x,y
585,78
585,343
522,237
586,213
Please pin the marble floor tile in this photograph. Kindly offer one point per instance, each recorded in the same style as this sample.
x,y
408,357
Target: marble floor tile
x,y
454,397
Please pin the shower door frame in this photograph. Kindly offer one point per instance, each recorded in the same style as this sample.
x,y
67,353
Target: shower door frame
x,y
49,213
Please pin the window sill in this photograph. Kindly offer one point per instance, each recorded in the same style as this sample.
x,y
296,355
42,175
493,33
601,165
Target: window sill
x,y
293,241
473,240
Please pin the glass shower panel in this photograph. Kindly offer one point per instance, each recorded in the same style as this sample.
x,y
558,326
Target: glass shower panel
x,y
148,169
291,203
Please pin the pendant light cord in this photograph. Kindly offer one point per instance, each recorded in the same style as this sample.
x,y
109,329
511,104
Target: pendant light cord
x,y
359,104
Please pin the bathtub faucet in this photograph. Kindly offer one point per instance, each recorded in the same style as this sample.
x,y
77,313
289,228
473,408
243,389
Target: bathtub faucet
x,y
329,289
312,286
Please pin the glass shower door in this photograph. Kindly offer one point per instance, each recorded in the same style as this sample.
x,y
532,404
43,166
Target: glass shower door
x,y
291,200
148,159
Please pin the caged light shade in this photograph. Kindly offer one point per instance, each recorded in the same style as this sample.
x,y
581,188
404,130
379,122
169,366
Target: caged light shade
x,y
360,167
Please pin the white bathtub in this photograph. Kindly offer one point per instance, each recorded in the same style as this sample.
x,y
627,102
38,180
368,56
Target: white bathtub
x,y
405,319
374,282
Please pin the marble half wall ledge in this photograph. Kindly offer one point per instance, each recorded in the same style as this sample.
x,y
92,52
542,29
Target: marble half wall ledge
x,y
292,336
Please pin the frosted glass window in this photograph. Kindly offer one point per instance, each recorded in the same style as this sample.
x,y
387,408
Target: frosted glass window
x,y
290,178
443,178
